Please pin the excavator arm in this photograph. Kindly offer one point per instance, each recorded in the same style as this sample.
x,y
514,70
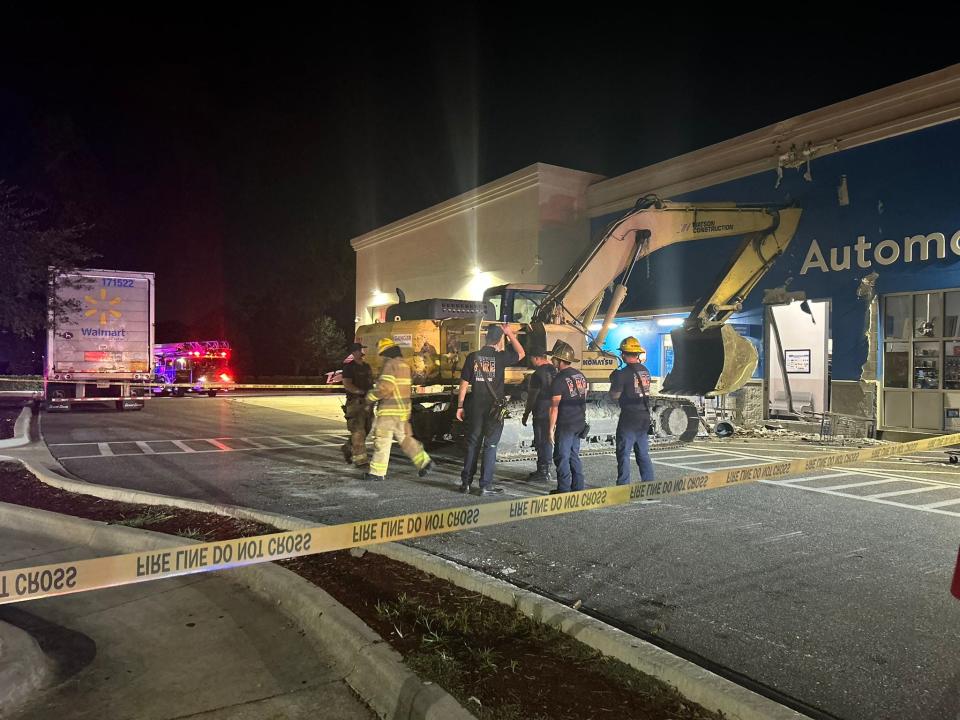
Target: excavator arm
x,y
720,361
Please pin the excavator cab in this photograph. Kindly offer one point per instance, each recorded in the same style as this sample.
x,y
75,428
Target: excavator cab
x,y
709,362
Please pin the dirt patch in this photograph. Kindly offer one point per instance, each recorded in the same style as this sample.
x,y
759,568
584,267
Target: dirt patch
x,y
497,662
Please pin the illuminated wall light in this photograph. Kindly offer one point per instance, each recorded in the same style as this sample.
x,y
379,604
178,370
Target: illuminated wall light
x,y
670,322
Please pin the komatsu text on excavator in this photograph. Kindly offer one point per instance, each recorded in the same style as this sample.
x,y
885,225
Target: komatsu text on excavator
x,y
710,358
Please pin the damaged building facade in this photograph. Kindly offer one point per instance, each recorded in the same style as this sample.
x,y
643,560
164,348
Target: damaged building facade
x,y
860,316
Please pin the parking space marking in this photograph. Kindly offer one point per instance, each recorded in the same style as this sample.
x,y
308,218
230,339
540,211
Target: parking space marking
x,y
217,445
716,460
286,442
907,492
654,456
904,471
942,503
807,478
861,484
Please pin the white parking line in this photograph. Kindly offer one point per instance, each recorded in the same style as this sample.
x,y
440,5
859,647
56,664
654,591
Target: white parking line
x,y
147,450
218,444
717,460
692,468
907,492
183,446
193,452
942,503
105,449
286,442
933,507
861,484
655,456
807,478
256,437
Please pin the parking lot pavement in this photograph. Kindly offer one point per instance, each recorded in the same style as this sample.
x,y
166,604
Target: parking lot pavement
x,y
925,482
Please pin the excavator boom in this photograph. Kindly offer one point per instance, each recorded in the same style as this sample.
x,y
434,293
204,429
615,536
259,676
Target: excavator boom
x,y
709,358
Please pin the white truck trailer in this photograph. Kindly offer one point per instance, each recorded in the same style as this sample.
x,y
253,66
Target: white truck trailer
x,y
100,343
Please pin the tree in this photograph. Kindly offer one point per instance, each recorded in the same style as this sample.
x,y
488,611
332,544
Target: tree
x,y
34,252
327,343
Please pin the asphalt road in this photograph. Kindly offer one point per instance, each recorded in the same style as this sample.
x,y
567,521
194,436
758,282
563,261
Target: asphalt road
x,y
832,589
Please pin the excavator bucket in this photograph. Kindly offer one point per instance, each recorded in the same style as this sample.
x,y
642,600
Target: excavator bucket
x,y
709,362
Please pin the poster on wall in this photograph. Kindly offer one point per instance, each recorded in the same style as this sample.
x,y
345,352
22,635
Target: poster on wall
x,y
797,361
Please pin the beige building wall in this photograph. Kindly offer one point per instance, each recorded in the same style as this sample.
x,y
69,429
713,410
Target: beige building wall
x,y
527,227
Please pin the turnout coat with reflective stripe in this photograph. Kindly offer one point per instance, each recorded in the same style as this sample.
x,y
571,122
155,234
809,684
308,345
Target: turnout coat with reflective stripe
x,y
393,389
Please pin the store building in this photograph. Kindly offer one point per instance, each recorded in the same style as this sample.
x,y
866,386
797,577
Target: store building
x,y
525,228
873,270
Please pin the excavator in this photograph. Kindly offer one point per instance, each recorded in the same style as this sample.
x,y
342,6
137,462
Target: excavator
x,y
710,358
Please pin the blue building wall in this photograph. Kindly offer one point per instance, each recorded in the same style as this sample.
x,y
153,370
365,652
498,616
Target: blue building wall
x,y
898,188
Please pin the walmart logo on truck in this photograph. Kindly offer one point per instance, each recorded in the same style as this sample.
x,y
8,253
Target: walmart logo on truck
x,y
103,306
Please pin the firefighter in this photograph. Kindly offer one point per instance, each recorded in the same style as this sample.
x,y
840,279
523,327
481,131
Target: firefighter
x,y
392,392
568,418
538,404
357,381
483,375
630,387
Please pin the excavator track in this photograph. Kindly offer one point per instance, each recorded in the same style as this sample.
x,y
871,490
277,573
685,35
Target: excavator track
x,y
676,421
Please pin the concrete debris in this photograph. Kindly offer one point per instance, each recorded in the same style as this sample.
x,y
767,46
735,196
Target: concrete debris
x,y
773,431
358,552
842,441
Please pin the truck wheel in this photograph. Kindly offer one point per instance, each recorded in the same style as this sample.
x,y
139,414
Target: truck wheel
x,y
178,392
212,393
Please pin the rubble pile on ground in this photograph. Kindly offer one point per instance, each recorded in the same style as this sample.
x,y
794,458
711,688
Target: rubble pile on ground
x,y
772,431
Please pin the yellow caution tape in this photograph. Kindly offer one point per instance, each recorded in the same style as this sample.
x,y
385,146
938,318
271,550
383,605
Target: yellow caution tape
x,y
72,577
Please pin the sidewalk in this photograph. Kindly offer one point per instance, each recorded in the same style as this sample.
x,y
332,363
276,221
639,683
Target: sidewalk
x,y
193,647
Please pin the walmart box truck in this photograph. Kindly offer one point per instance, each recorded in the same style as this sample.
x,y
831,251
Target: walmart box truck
x,y
100,339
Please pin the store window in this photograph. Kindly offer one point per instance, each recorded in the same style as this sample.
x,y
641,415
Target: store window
x,y
896,365
896,317
951,314
921,360
951,365
926,315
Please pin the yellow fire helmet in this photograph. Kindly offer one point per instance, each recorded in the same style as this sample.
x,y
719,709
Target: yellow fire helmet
x,y
385,344
631,345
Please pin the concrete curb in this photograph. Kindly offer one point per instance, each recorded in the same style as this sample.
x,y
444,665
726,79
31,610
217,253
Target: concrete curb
x,y
21,431
369,665
699,685
24,668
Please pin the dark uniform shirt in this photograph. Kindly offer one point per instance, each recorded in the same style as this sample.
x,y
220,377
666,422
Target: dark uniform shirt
x,y
541,381
571,386
633,382
486,366
359,373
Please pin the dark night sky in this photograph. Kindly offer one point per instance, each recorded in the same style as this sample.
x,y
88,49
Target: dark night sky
x,y
226,155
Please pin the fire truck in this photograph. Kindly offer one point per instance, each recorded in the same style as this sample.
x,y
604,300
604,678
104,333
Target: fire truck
x,y
198,366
